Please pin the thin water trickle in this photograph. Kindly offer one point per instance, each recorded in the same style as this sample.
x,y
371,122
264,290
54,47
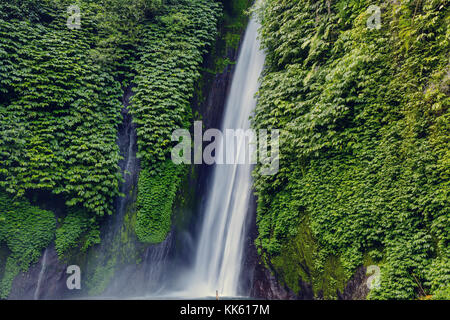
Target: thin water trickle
x,y
41,275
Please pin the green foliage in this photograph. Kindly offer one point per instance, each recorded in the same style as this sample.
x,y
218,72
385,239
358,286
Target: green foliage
x,y
119,25
234,21
98,282
364,150
300,260
170,54
69,234
11,271
26,230
155,202
60,93
58,115
33,10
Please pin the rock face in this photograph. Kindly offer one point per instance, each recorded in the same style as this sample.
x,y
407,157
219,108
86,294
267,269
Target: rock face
x,y
258,281
47,278
52,284
356,288
215,92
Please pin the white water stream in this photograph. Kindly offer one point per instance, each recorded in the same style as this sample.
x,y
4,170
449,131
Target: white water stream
x,y
219,258
41,275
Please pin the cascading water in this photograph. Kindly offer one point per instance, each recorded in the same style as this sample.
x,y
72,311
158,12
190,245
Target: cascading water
x,y
219,251
41,275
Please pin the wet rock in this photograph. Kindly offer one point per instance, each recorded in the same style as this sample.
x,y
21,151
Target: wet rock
x,y
53,282
356,288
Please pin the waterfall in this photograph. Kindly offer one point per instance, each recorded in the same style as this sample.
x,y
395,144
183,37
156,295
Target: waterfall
x,y
220,247
41,275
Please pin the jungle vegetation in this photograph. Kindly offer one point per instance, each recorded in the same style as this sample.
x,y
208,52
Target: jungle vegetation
x,y
365,159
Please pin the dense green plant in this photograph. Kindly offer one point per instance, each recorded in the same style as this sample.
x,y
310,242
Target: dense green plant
x,y
171,52
58,115
34,10
155,202
170,56
74,225
60,93
364,152
26,230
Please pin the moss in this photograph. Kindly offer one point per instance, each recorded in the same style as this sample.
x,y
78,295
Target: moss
x,y
103,261
155,202
235,20
131,250
101,277
4,253
298,262
332,280
77,228
12,269
186,200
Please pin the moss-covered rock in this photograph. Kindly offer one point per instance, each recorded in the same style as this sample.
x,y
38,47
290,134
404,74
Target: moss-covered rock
x,y
155,202
299,262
